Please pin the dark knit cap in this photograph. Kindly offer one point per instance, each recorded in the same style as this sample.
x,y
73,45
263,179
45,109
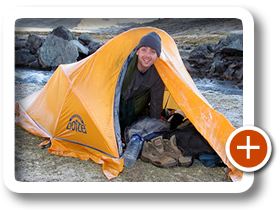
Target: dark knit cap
x,y
151,40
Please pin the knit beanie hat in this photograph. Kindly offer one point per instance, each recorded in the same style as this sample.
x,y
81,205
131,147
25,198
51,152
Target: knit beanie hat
x,y
151,40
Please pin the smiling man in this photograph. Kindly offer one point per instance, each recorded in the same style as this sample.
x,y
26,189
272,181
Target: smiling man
x,y
142,84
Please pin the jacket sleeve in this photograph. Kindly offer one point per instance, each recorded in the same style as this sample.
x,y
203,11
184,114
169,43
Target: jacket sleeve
x,y
157,91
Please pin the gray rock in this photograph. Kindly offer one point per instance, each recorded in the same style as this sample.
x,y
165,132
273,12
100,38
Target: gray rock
x,y
203,51
189,68
229,73
93,46
23,57
35,65
20,45
85,38
56,51
64,33
218,66
186,47
81,48
20,42
233,43
33,43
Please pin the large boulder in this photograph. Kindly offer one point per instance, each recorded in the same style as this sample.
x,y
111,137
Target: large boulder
x,y
64,33
24,57
55,51
33,43
232,44
85,38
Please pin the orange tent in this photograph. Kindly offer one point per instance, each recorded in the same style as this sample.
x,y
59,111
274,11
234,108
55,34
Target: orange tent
x,y
78,108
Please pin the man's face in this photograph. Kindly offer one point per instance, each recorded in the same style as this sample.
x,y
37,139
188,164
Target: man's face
x,y
146,57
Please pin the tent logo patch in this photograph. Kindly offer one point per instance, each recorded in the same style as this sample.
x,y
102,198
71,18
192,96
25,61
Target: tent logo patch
x,y
76,123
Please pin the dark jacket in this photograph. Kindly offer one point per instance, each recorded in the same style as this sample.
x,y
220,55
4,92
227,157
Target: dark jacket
x,y
143,89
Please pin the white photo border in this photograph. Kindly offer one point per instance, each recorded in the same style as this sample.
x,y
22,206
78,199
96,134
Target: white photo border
x,y
120,12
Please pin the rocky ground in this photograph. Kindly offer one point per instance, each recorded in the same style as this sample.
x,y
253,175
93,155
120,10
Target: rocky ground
x,y
35,165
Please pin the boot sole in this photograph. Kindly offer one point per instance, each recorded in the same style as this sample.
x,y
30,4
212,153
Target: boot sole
x,y
146,160
188,164
185,164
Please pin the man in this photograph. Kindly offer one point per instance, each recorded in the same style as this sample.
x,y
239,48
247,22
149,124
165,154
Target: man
x,y
142,84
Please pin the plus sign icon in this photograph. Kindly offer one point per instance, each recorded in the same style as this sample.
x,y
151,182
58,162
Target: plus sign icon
x,y
248,148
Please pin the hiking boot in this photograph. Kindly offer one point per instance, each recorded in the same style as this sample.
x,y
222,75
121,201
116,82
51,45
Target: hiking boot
x,y
171,150
153,152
